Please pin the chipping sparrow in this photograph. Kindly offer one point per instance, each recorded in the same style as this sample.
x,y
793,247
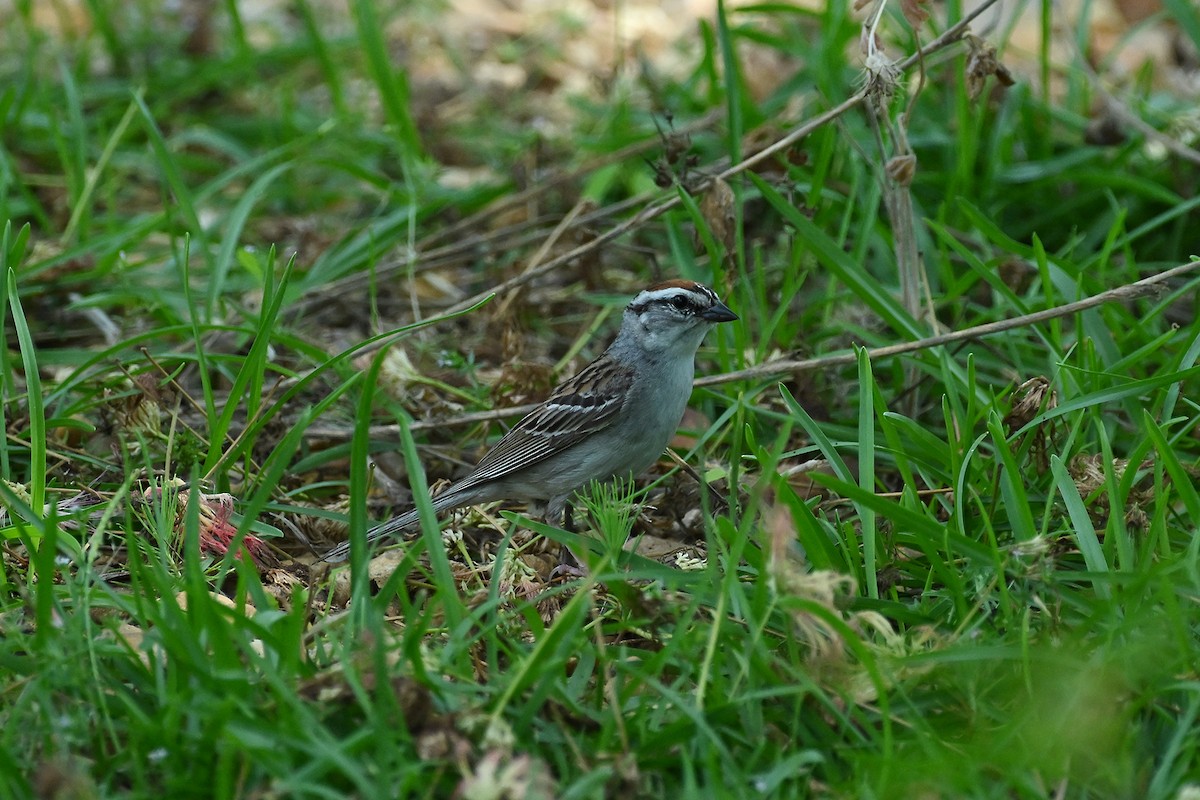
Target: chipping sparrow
x,y
613,419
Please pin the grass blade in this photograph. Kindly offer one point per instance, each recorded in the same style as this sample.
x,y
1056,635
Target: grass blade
x,y
1082,529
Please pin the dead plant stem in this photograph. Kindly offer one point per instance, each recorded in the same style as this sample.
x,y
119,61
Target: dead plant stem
x,y
1127,291
656,209
781,367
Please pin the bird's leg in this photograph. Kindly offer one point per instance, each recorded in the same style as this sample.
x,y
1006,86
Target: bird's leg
x,y
568,564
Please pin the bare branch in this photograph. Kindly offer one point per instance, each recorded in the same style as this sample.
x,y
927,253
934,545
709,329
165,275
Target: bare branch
x,y
1125,292
782,367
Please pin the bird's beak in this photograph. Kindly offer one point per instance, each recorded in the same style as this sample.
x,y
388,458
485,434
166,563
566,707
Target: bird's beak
x,y
718,313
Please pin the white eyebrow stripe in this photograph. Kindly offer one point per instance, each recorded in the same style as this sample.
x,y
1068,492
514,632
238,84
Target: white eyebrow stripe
x,y
696,298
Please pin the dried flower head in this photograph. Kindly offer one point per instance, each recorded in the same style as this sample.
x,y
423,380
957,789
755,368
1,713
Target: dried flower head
x,y
1090,472
1034,397
881,77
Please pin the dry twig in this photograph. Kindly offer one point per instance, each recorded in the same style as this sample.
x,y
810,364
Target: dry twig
x,y
1128,291
656,209
780,367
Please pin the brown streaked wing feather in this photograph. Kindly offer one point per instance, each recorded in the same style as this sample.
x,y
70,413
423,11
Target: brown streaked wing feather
x,y
599,389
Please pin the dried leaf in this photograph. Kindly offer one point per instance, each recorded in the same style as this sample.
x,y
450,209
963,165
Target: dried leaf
x,y
380,569
62,777
901,169
781,532
981,63
500,775
717,208
1106,129
1089,474
677,160
914,11
280,584
397,374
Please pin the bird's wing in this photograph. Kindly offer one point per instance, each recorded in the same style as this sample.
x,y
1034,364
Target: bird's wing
x,y
578,408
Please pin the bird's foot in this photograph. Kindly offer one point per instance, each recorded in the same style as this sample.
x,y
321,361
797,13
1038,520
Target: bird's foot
x,y
568,566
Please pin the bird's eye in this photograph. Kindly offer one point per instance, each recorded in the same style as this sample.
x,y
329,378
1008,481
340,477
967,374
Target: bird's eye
x,y
681,303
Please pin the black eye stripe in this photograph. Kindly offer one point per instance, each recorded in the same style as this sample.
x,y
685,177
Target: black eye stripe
x,y
676,297
680,302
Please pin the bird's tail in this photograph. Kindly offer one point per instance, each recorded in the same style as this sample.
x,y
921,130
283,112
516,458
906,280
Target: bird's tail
x,y
394,525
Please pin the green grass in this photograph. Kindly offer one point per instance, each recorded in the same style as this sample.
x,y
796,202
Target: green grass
x,y
914,583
